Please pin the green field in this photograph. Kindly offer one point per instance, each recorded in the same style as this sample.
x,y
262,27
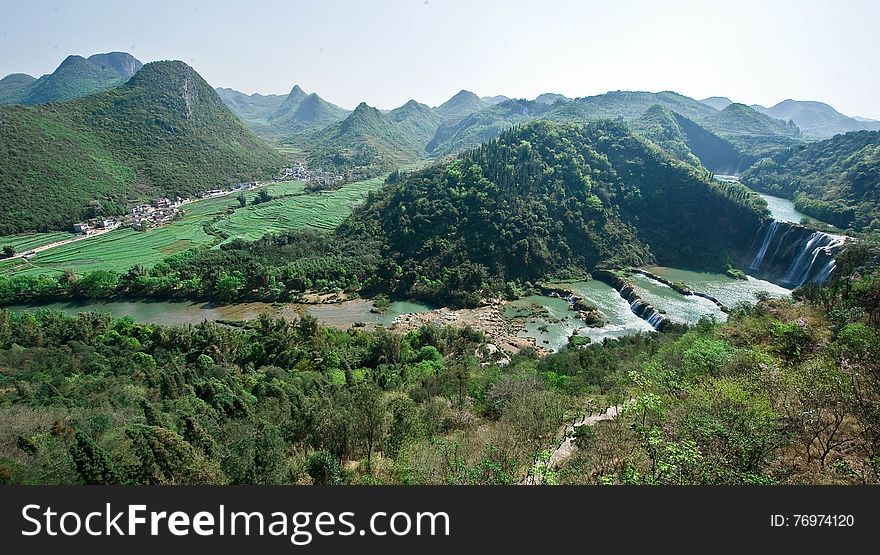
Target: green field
x,y
324,210
27,241
121,249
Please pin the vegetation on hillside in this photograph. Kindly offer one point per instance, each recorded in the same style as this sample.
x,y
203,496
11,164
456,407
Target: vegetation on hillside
x,y
163,133
787,392
835,180
545,198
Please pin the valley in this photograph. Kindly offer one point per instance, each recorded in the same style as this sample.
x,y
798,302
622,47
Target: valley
x,y
432,295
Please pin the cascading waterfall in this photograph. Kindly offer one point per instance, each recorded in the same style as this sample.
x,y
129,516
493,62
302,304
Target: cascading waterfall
x,y
792,255
647,312
765,244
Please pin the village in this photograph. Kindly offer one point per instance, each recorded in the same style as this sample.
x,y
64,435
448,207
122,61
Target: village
x,y
161,211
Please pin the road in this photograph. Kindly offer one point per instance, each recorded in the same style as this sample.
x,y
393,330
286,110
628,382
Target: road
x,y
96,233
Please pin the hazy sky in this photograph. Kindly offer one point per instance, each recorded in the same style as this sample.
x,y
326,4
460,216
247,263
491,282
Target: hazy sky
x,y
386,52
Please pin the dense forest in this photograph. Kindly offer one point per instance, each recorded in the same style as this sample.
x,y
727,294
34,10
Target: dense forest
x,y
786,392
544,200
163,133
835,180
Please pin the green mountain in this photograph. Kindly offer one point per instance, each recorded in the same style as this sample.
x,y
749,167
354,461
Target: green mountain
x,y
74,78
458,135
463,104
415,120
836,180
546,198
689,142
14,87
730,138
551,98
367,140
717,102
301,112
817,120
252,109
121,63
630,105
163,133
493,100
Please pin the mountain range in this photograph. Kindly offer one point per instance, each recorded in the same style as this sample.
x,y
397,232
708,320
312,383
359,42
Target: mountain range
x,y
816,120
164,132
75,77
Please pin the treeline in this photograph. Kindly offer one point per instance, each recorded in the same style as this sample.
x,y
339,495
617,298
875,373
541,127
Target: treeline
x,y
787,392
834,180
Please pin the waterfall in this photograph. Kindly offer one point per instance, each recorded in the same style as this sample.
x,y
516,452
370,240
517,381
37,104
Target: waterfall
x,y
648,313
791,255
768,237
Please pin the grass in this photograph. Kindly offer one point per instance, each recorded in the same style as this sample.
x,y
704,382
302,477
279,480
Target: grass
x,y
324,210
121,249
25,241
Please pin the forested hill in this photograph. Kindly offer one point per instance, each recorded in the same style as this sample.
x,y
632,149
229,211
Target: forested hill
x,y
75,77
836,180
546,198
164,132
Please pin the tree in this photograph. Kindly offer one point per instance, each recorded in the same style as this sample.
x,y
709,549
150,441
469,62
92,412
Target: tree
x,y
369,410
262,196
8,251
92,463
242,199
324,469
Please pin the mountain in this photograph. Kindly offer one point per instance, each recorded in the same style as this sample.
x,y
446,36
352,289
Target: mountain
x,y
252,108
836,180
163,133
551,98
463,104
15,87
481,126
750,130
415,120
717,102
543,199
817,120
689,142
493,100
365,141
74,78
301,112
727,137
121,63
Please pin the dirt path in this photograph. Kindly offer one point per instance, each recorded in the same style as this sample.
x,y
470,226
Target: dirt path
x,y
566,449
97,232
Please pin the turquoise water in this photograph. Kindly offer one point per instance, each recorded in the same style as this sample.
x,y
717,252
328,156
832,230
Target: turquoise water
x,y
726,289
783,210
620,320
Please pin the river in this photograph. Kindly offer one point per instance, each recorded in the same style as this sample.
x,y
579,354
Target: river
x,y
342,315
783,210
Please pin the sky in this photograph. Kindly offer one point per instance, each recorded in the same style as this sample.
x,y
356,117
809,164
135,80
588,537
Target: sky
x,y
387,52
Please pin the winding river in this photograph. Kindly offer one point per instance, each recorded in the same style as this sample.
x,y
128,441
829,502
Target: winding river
x,y
547,320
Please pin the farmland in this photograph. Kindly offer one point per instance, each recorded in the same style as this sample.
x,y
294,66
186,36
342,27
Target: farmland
x,y
205,223
26,241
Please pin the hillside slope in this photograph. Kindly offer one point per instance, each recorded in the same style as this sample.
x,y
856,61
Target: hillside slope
x,y
164,132
545,198
75,77
836,180
817,120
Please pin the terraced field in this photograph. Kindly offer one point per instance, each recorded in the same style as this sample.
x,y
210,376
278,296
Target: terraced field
x,y
27,241
324,210
121,249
